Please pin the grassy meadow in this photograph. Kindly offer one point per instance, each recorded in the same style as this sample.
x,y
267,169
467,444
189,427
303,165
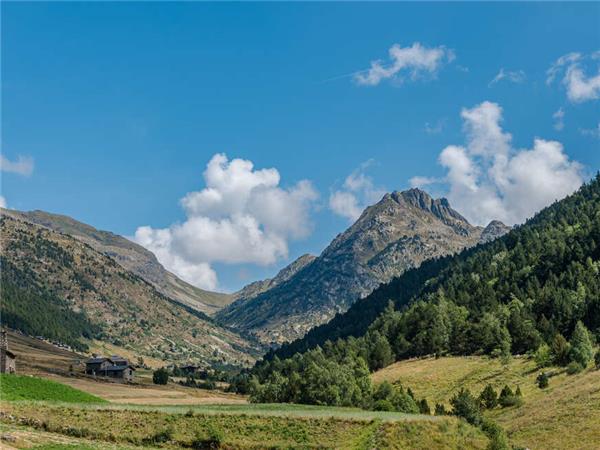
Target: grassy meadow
x,y
565,416
19,387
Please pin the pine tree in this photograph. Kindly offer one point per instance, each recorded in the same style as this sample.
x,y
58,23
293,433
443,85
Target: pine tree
x,y
488,397
560,350
582,349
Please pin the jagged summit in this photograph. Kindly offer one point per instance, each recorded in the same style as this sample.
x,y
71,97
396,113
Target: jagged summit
x,y
399,232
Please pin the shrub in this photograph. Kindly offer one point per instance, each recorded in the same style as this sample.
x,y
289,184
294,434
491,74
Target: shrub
x,y
508,398
543,356
213,439
488,397
424,407
597,360
160,376
465,405
383,405
440,409
574,367
160,437
542,380
498,439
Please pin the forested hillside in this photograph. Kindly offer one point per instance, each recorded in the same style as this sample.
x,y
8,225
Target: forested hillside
x,y
535,288
63,289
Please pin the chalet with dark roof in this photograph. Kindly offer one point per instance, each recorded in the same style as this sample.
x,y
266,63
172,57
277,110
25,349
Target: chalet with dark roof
x,y
112,367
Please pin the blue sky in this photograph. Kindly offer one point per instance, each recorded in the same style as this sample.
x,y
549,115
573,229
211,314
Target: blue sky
x,y
116,110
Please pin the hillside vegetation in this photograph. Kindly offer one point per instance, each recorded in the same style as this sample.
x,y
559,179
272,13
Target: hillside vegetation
x,y
131,256
565,415
58,287
195,429
509,295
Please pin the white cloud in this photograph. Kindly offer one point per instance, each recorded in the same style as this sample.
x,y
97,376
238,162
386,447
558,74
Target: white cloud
x,y
22,166
415,61
516,76
241,216
594,132
420,182
489,179
357,192
559,119
2,202
580,87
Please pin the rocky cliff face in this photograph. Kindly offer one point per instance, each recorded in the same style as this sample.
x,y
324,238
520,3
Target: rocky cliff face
x,y
399,232
130,256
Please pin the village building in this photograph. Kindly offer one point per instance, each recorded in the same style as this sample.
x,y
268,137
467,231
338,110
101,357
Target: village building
x,y
8,363
113,367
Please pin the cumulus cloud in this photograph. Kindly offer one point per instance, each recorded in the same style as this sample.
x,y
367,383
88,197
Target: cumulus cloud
x,y
241,216
580,86
514,76
420,182
559,119
411,62
486,178
357,192
2,202
22,166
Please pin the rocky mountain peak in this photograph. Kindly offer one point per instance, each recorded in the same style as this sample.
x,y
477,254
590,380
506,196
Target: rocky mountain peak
x,y
494,230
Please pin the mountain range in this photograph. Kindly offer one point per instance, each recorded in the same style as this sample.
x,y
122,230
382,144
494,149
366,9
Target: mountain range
x,y
62,288
399,232
95,284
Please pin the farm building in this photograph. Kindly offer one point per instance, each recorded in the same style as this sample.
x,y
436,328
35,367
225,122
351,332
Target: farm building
x,y
7,358
113,367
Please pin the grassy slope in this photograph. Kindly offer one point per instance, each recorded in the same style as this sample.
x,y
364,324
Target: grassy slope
x,y
565,416
17,387
238,430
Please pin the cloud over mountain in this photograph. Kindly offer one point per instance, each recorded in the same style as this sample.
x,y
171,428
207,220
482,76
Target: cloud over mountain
x,y
357,192
488,179
241,216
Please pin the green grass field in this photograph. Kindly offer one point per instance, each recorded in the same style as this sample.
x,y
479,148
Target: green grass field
x,y
18,387
241,429
564,416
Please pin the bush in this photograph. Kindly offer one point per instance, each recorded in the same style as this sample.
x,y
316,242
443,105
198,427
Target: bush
x,y
466,406
574,367
440,409
160,437
543,356
508,398
488,397
542,380
597,360
383,405
160,376
213,439
424,407
498,439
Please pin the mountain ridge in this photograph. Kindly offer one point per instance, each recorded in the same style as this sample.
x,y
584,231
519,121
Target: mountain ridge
x,y
400,231
130,256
